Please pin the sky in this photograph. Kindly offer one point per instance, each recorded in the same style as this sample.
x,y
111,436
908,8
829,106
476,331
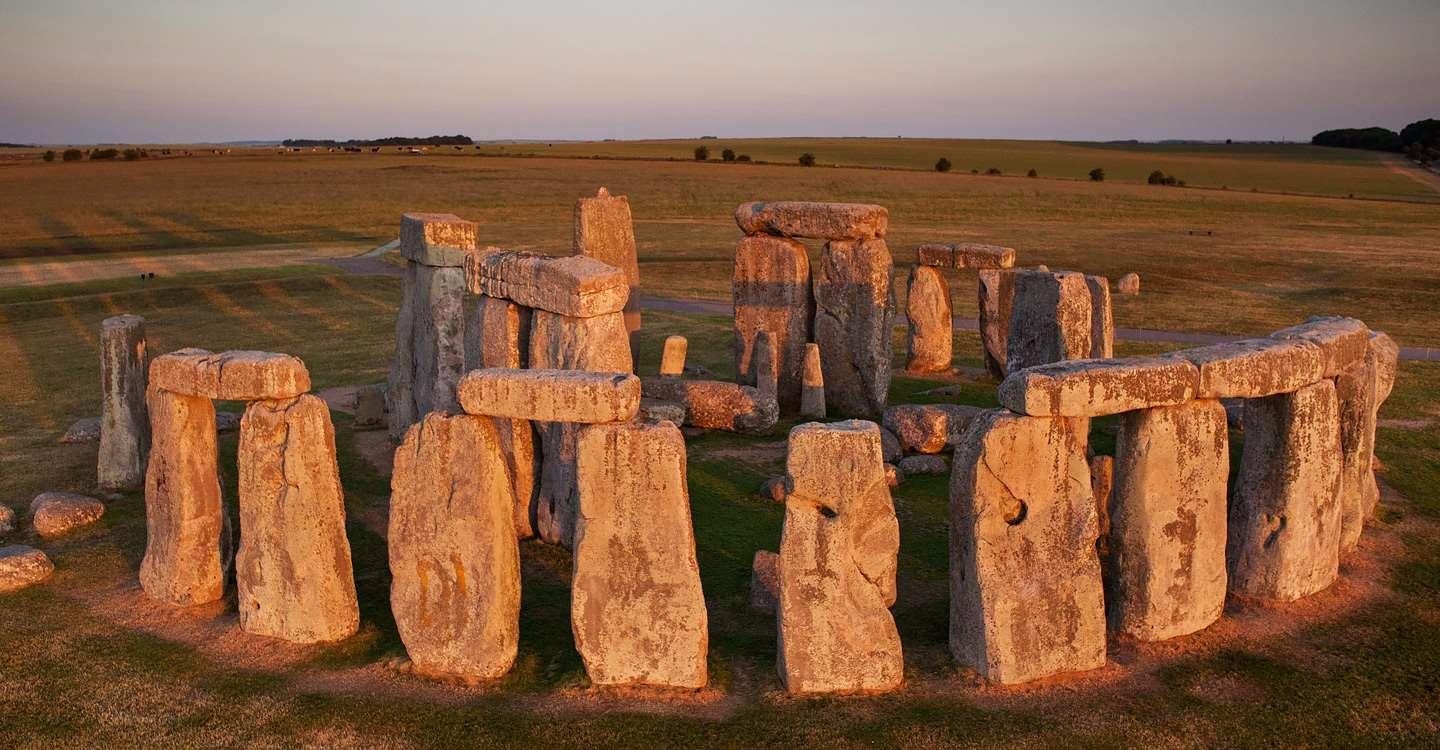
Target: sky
x,y
177,71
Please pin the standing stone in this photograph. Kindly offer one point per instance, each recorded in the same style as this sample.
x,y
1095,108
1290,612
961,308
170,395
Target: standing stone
x,y
1102,318
124,423
400,383
1049,319
1129,283
1384,355
1355,393
1102,485
838,556
293,568
997,295
764,583
812,391
1165,572
765,367
605,231
927,307
430,344
1285,511
182,502
771,290
1025,592
454,561
854,321
497,334
636,606
672,358
369,406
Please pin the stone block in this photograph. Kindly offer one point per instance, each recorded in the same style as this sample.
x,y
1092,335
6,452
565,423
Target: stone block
x,y
931,323
22,567
812,389
821,221
854,326
715,404
1342,341
497,335
230,376
771,289
436,239
124,423
929,428
1255,368
575,286
551,395
182,501
672,358
1102,318
965,255
1097,387
1050,319
996,298
53,514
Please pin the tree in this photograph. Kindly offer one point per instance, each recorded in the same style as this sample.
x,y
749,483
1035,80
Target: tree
x,y
131,154
1424,132
49,156
701,153
1097,174
1032,173
103,153
1156,178
943,165
727,155
1373,139
807,160
993,171
72,154
743,157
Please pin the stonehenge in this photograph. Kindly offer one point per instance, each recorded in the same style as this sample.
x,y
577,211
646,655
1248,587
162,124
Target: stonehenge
x,y
124,425
605,231
771,289
928,306
1038,317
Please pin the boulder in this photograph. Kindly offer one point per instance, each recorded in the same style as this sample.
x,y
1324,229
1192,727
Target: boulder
x,y
672,357
764,581
551,395
497,334
771,292
574,286
660,410
87,430
230,376
454,561
182,501
890,448
854,323
1165,568
436,239
838,553
55,513
7,519
22,566
715,404
1342,341
1102,319
124,424
1254,368
812,389
1128,284
1285,520
931,325
1025,591
637,610
369,406
996,297
1098,387
965,255
821,221
923,465
929,428
1050,319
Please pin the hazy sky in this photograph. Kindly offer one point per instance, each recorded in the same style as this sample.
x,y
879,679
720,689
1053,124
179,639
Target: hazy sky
x,y
189,70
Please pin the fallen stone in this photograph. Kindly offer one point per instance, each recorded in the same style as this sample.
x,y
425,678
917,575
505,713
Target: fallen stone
x,y
771,290
672,358
774,489
854,324
1102,319
230,376
929,428
965,255
369,406
1284,521
182,501
575,286
659,410
812,392
1049,319
124,423
1165,571
996,298
551,395
1097,387
838,557
7,519
86,430
1254,368
764,583
923,465
56,513
497,335
821,221
637,610
1025,592
293,571
436,239
715,404
1128,284
21,567
890,448
931,332
1342,341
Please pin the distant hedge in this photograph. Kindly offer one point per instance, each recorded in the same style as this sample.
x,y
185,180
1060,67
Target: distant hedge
x,y
1373,139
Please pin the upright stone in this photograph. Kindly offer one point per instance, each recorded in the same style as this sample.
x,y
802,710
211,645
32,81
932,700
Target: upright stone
x,y
672,358
1384,355
497,335
838,556
400,383
293,568
812,393
765,367
1165,572
454,561
439,337
931,330
1285,519
1355,393
636,606
997,294
605,231
854,319
1025,591
771,291
124,423
1129,283
182,502
1049,319
1102,318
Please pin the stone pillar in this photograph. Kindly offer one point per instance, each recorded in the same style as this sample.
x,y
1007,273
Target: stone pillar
x,y
1285,518
927,307
1025,590
765,367
1049,319
498,335
997,293
454,561
124,423
812,394
636,606
605,231
771,290
1384,353
854,321
672,359
838,556
1102,318
1165,571
182,502
1355,395
293,570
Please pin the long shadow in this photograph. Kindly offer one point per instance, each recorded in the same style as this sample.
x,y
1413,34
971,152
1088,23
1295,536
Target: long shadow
x,y
220,235
67,241
151,235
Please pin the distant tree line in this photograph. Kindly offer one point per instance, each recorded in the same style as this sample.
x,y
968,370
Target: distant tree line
x,y
1420,140
434,140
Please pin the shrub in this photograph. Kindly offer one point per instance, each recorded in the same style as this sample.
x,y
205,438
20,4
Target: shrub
x,y
49,156
1032,173
1097,174
131,154
1157,177
103,153
727,155
993,171
807,160
743,157
1424,132
701,153
974,171
943,165
72,154
1375,139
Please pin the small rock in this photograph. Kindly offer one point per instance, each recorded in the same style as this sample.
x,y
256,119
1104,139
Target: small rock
x,y
55,513
1128,284
763,581
7,519
926,464
22,566
893,477
697,371
370,406
85,430
773,489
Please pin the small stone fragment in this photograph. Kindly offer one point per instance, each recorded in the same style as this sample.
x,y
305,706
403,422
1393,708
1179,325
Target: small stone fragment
x,y
772,292
812,393
965,255
1128,284
436,239
124,423
369,406
1254,368
230,376
551,395
931,325
929,428
22,566
575,286
1049,319
86,430
854,326
763,581
821,221
56,513
672,358
1097,387
923,464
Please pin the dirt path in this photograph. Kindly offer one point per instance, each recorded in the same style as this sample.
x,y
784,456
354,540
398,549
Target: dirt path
x,y
1401,165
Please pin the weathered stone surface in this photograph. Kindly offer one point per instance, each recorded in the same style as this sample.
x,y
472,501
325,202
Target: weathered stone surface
x,y
812,389
497,334
436,239
771,291
765,367
893,475
637,610
965,255
1165,571
996,297
521,449
775,489
1049,319
854,322
124,424
1355,399
1342,341
838,556
1284,521
7,519
764,583
1025,591
551,395
21,567
890,448
230,376
400,381
660,410
1102,318
929,428
454,561
1387,364
923,465
604,230
821,221
672,357
1254,368
1102,484
931,325
56,513
87,430
1097,387
576,286
715,404
182,501
439,343
369,406
1128,284
293,571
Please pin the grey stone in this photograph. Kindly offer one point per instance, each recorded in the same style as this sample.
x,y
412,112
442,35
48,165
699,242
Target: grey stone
x,y
87,430
1049,319
22,567
124,423
854,324
55,513
436,239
